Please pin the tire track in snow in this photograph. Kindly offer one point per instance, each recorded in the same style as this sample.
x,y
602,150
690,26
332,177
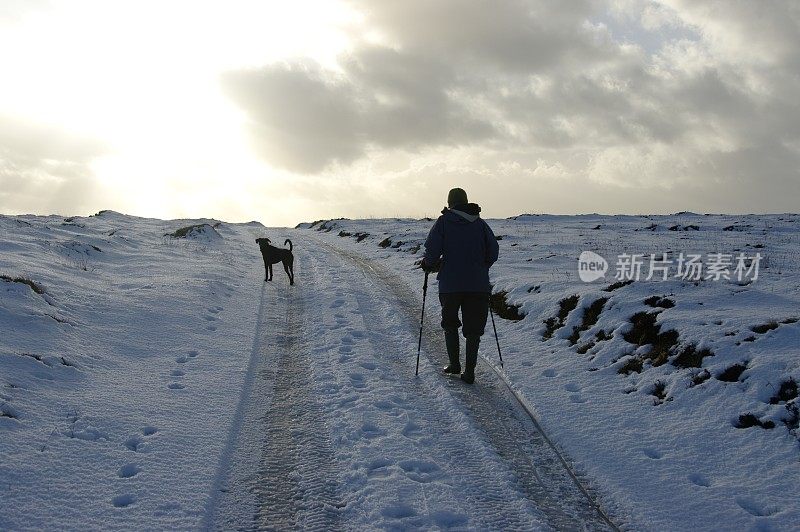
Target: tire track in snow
x,y
505,424
277,471
297,477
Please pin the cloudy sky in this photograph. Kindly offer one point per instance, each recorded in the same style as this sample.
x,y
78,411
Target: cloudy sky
x,y
305,109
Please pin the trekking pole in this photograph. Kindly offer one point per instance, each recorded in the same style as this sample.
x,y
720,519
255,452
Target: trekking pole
x,y
422,319
495,336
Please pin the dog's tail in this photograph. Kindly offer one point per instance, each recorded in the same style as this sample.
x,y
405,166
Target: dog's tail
x,y
288,242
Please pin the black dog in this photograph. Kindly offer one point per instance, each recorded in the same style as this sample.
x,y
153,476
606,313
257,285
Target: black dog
x,y
273,255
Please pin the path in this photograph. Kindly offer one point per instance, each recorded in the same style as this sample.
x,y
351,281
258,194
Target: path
x,y
335,431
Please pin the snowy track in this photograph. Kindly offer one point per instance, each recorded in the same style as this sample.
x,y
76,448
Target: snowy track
x,y
338,433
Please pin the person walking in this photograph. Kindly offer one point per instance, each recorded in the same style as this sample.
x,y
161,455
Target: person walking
x,y
461,247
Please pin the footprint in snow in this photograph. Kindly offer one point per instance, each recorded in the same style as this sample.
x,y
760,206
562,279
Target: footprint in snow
x,y
357,380
420,470
149,430
398,511
385,405
348,401
572,387
211,328
177,373
653,453
192,354
181,359
379,468
371,430
214,310
446,519
575,398
134,443
699,480
344,349
338,303
211,318
123,501
549,373
347,339
129,471
412,431
175,386
368,365
756,508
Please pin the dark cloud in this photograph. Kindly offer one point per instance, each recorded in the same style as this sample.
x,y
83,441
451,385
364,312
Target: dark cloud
x,y
44,169
515,35
303,118
299,118
539,88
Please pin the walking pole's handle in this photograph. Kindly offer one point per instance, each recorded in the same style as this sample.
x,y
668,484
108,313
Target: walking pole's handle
x,y
422,319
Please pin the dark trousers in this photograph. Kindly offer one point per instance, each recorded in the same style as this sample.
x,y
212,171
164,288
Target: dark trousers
x,y
474,308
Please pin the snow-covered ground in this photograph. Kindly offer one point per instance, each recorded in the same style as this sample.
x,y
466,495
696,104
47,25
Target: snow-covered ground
x,y
659,438
150,379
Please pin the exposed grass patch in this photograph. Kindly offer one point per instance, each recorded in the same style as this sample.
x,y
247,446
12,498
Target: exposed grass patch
x,y
499,304
737,227
660,302
33,286
691,357
786,393
748,420
600,336
766,327
733,373
792,422
646,331
679,227
700,377
632,365
617,285
659,391
565,306
361,236
344,234
189,230
385,243
590,316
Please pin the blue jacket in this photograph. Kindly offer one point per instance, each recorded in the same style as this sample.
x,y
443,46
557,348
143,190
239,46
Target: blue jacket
x,y
467,248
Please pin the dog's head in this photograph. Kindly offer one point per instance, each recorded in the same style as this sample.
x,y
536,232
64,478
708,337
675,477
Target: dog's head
x,y
263,241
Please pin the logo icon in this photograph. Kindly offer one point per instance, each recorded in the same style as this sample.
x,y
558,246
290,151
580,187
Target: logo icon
x,y
591,266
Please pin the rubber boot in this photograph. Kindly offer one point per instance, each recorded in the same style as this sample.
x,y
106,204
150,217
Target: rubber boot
x,y
472,359
451,341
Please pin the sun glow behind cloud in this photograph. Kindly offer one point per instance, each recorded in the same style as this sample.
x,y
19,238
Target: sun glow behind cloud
x,y
142,78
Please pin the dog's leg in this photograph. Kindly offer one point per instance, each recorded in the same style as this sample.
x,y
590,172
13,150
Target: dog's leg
x,y
269,270
287,266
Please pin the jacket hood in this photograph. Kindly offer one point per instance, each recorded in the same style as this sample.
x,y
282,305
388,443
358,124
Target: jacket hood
x,y
464,213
